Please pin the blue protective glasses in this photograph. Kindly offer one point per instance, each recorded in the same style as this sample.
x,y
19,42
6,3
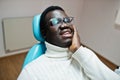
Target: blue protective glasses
x,y
59,21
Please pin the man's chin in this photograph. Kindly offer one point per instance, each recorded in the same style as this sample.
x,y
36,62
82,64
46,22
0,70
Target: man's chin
x,y
67,43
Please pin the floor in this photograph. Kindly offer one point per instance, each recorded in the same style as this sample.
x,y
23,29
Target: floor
x,y
10,67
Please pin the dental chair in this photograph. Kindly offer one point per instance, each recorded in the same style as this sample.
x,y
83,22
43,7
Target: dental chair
x,y
39,48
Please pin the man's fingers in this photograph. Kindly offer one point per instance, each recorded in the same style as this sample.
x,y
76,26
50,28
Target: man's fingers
x,y
75,30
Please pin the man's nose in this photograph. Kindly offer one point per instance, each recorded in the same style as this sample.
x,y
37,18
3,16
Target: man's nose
x,y
64,24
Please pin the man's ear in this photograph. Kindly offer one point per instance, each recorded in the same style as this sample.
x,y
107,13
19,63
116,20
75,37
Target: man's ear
x,y
44,32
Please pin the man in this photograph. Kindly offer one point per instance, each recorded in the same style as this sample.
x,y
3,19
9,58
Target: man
x,y
65,57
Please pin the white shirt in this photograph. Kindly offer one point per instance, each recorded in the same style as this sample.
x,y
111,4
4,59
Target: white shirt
x,y
59,64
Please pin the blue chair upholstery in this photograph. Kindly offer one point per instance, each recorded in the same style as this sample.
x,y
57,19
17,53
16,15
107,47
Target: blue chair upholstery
x,y
39,48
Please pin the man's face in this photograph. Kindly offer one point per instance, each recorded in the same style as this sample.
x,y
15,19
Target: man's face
x,y
60,29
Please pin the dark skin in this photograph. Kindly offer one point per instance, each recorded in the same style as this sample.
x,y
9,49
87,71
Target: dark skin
x,y
63,35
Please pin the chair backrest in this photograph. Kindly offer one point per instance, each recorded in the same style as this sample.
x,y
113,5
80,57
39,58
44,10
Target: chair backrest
x,y
39,48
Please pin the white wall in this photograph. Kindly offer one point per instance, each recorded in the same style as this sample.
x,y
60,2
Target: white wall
x,y
24,8
97,28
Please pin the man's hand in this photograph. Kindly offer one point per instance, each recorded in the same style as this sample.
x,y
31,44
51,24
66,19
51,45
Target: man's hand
x,y
75,41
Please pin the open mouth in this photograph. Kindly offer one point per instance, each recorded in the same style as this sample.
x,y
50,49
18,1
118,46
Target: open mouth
x,y
66,33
